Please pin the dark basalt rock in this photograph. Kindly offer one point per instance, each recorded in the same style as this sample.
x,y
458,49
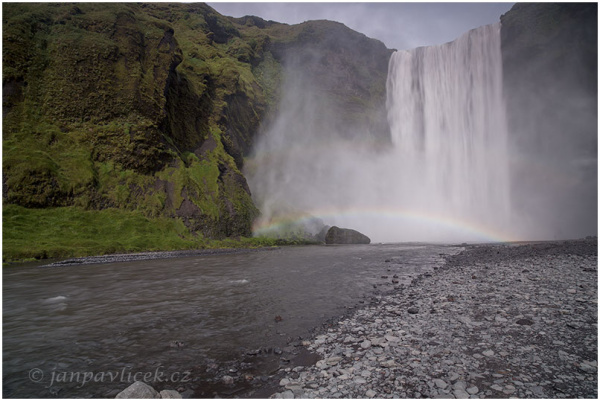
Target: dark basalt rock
x,y
336,235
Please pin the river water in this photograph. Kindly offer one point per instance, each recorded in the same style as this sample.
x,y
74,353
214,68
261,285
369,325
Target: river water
x,y
116,320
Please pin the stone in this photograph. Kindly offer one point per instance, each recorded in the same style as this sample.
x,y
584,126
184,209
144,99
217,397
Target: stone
x,y
365,344
284,382
288,394
472,390
460,385
334,360
138,389
461,394
388,364
587,368
413,310
391,339
453,376
227,380
489,352
336,235
170,394
370,393
440,383
509,389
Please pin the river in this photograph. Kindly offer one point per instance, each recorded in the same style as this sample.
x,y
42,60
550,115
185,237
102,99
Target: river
x,y
167,316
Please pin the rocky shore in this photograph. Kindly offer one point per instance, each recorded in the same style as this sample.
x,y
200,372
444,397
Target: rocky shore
x,y
496,321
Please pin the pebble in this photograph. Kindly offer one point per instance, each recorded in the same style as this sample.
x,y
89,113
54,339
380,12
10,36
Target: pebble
x,y
472,390
494,321
440,383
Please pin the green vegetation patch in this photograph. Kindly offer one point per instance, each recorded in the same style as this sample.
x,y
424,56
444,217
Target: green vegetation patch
x,y
73,232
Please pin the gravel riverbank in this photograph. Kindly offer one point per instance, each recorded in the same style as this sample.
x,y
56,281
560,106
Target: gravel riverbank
x,y
496,321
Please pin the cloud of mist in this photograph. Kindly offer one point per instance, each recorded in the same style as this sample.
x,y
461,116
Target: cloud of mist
x,y
540,184
304,165
554,161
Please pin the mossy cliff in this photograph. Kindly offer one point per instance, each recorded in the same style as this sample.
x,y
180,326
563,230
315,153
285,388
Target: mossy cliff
x,y
151,108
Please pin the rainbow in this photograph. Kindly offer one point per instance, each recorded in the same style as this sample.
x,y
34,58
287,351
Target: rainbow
x,y
416,218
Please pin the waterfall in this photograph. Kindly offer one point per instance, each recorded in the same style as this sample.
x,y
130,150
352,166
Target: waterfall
x,y
447,117
445,177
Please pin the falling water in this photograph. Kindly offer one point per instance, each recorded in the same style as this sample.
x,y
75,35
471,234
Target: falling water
x,y
448,124
444,179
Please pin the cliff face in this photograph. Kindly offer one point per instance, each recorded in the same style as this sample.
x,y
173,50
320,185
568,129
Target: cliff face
x,y
152,107
549,53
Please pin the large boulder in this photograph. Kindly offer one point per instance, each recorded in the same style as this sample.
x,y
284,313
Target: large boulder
x,y
138,389
336,235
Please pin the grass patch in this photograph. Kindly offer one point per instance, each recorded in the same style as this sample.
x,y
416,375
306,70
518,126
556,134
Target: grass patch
x,y
33,234
72,232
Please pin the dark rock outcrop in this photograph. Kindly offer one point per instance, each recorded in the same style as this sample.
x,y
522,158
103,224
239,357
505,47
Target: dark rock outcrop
x,y
336,235
549,54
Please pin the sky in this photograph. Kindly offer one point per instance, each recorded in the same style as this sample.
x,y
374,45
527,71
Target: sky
x,y
398,25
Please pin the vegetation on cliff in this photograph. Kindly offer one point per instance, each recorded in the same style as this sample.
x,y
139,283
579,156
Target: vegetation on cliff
x,y
141,114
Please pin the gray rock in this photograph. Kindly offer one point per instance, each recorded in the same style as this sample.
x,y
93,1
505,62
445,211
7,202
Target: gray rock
x,y
138,390
336,235
472,390
489,352
334,360
365,344
460,385
391,339
587,368
227,380
461,394
170,394
413,310
440,383
287,394
453,376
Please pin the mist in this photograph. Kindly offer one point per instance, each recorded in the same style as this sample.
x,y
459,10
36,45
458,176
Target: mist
x,y
455,168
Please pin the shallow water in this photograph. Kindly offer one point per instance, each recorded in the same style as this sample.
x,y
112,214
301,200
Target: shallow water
x,y
173,314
